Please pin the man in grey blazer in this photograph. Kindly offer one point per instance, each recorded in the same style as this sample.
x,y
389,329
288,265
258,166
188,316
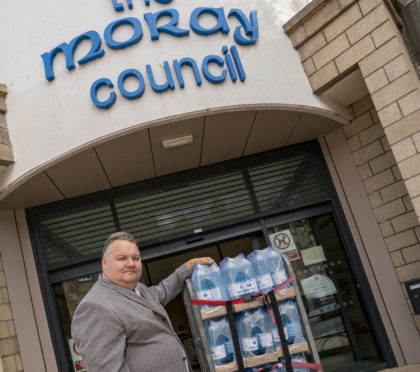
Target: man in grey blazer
x,y
121,324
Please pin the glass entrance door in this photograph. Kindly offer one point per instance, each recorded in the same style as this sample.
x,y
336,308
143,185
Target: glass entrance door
x,y
159,269
325,276
69,293
330,295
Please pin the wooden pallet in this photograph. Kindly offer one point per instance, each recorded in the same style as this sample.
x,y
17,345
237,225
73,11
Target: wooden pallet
x,y
300,347
216,311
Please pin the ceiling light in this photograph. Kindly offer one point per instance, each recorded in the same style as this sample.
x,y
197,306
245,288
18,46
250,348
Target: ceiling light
x,y
177,142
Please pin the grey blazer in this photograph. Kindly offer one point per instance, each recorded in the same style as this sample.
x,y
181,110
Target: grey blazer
x,y
116,330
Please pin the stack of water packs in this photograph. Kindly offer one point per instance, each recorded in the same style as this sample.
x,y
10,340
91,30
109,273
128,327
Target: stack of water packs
x,y
241,276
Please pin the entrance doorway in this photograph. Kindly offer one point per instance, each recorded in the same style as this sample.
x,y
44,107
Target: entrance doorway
x,y
159,269
336,308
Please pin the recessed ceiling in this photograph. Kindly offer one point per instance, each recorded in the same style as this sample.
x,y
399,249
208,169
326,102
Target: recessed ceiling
x,y
140,155
348,90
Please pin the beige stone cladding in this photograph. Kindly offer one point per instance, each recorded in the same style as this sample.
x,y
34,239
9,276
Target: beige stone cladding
x,y
6,152
9,347
334,37
386,190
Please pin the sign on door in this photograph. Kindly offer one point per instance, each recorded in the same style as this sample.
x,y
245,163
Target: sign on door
x,y
78,362
283,241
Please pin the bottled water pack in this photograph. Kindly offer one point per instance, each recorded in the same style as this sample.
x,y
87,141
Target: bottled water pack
x,y
261,266
220,341
207,284
254,332
268,268
276,267
238,277
290,318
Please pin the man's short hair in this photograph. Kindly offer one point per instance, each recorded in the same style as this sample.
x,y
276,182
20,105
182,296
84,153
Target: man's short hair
x,y
120,235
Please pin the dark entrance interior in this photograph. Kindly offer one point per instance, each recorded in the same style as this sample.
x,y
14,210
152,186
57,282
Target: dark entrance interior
x,y
219,210
338,320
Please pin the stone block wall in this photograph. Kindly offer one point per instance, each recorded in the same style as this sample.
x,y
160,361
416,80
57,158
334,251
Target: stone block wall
x,y
335,37
6,152
386,191
409,11
9,347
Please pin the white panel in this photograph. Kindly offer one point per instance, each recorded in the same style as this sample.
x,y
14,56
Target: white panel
x,y
225,136
271,130
180,158
311,127
80,174
127,159
348,90
38,190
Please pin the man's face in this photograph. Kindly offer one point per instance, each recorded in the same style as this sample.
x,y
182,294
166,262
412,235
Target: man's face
x,y
123,266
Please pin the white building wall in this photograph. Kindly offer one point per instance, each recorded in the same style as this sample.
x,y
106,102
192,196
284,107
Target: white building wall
x,y
48,120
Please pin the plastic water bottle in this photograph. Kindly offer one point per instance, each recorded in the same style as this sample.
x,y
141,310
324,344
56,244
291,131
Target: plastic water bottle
x,y
220,341
260,264
291,324
206,283
291,321
254,333
289,331
276,267
238,277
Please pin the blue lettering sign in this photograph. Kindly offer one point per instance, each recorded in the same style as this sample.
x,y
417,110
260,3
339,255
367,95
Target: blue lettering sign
x,y
137,34
229,63
218,13
131,73
120,7
206,72
147,2
69,49
186,62
162,87
250,27
170,28
94,93
235,69
238,63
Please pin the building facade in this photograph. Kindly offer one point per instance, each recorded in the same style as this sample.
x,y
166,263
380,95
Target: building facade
x,y
209,130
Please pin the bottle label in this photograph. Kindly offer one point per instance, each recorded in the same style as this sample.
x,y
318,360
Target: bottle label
x,y
249,344
266,339
210,294
218,352
279,277
242,288
204,295
264,281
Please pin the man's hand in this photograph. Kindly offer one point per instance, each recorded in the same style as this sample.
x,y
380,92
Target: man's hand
x,y
199,261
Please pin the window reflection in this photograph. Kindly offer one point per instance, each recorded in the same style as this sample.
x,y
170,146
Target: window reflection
x,y
336,316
